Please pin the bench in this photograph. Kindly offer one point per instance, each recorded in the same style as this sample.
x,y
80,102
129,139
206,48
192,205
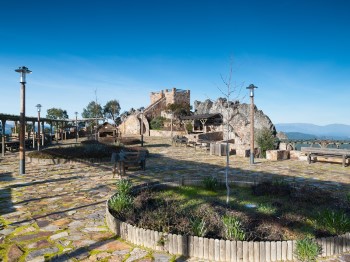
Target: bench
x,y
123,160
312,153
180,140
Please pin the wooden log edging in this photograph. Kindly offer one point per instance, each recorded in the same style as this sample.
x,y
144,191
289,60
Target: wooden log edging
x,y
219,249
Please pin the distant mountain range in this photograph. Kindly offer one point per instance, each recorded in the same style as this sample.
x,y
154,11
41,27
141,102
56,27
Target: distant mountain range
x,y
310,131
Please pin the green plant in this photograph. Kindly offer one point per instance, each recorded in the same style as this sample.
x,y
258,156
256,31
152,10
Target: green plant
x,y
266,209
198,227
121,202
265,140
210,183
347,196
189,127
124,186
307,249
335,222
233,228
157,122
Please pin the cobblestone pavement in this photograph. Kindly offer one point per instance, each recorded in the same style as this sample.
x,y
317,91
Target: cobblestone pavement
x,y
56,212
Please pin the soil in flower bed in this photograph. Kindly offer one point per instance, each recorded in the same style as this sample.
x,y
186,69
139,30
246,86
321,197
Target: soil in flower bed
x,y
268,211
85,151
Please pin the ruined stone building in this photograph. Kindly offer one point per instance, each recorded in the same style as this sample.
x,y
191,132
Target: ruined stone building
x,y
158,103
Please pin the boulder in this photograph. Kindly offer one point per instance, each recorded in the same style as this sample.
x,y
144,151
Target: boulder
x,y
238,116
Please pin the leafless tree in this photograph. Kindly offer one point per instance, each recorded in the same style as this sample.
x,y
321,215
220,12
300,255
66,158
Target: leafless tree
x,y
230,91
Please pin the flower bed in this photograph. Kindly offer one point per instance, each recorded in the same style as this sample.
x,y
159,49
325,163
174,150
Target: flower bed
x,y
219,249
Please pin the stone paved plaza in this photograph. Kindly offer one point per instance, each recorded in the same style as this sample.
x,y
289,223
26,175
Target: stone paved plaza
x,y
56,212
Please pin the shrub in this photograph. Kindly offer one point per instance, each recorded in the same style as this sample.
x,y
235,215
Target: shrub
x,y
233,228
210,183
124,186
189,127
307,249
157,123
198,227
265,140
121,202
267,209
335,222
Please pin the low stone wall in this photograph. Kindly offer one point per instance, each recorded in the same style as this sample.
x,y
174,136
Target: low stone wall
x,y
162,133
219,249
57,161
276,155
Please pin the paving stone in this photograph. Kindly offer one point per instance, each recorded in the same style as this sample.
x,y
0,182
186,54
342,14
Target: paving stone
x,y
6,231
39,244
136,254
99,256
50,228
112,245
32,236
41,252
14,253
59,235
160,257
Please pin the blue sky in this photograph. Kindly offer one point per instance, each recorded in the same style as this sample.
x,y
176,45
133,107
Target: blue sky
x,y
296,52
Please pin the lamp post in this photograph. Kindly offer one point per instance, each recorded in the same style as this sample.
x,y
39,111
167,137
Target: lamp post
x,y
141,127
251,87
76,127
23,71
38,106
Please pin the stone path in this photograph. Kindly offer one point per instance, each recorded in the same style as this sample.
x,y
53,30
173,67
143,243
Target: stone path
x,y
56,212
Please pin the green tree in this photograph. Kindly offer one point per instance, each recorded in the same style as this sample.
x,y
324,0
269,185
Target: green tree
x,y
179,109
157,123
265,140
111,110
93,110
56,113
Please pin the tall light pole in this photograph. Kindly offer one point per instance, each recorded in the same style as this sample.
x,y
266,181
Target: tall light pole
x,y
251,87
23,71
141,127
76,127
38,106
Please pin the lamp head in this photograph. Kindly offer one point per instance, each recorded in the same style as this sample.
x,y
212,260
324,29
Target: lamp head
x,y
251,87
23,71
38,106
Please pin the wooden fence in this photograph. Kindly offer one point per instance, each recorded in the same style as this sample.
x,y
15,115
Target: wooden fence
x,y
218,249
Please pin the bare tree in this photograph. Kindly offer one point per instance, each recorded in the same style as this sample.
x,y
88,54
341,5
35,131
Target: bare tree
x,y
231,91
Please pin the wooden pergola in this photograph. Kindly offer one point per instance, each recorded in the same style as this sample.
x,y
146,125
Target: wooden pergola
x,y
204,120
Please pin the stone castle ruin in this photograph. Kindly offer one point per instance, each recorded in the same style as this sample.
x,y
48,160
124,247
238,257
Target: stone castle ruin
x,y
159,102
209,117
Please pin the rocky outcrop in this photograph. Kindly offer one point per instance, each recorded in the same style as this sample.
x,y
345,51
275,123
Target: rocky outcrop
x,y
238,116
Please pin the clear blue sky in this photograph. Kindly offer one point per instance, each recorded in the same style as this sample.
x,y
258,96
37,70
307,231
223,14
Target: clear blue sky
x,y
296,52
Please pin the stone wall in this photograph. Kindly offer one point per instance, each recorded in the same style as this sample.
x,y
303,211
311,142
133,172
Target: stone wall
x,y
172,96
238,116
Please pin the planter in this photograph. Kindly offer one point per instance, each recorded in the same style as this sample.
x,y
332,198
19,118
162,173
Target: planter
x,y
217,249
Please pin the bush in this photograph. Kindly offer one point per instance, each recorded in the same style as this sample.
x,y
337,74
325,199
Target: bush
x,y
335,222
189,127
198,227
233,228
307,250
121,202
210,183
265,140
124,186
157,123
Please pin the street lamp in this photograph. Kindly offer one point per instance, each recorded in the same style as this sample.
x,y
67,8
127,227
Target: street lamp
x,y
23,71
76,127
251,87
38,106
141,127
